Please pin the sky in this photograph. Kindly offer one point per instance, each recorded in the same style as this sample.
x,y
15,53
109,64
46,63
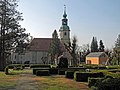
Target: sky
x,y
87,18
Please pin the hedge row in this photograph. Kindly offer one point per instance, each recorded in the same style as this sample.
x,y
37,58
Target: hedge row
x,y
36,69
83,76
69,74
94,81
105,84
16,66
42,73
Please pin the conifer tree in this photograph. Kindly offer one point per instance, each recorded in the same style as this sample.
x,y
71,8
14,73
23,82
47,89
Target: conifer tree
x,y
11,32
101,46
94,45
54,49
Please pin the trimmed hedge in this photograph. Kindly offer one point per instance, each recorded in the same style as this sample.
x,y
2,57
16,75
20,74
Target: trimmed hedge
x,y
53,70
94,81
42,73
16,66
6,70
61,72
40,66
83,76
69,74
36,69
112,75
113,67
109,84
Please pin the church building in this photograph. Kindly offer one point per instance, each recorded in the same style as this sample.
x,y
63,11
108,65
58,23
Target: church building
x,y
38,52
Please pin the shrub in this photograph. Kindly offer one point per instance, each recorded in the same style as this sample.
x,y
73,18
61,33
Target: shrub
x,y
6,70
53,70
93,81
69,74
113,67
36,69
42,73
40,66
109,84
61,72
83,76
112,75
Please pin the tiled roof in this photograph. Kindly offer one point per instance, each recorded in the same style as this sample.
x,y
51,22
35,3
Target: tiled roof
x,y
95,54
40,44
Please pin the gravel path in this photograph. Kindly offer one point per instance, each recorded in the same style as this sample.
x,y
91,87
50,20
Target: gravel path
x,y
25,82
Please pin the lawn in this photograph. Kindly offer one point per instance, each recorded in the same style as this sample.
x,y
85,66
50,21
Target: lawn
x,y
8,81
24,79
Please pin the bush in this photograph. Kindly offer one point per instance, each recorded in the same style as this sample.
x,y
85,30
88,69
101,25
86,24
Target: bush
x,y
109,84
16,66
6,70
112,75
36,69
93,81
113,67
42,73
69,74
53,70
40,66
61,72
83,76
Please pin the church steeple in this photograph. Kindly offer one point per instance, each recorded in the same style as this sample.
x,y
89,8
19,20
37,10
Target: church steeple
x,y
64,20
64,15
64,29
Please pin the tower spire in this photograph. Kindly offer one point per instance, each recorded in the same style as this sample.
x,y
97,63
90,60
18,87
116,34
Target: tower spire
x,y
64,15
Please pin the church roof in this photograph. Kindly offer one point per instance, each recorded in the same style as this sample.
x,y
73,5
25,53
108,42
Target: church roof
x,y
40,44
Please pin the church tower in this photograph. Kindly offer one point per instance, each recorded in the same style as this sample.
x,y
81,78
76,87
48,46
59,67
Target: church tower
x,y
64,29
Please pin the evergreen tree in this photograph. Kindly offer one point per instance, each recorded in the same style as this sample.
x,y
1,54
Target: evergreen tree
x,y
117,43
94,45
117,49
54,49
101,46
11,32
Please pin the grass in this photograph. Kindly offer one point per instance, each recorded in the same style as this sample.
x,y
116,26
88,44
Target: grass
x,y
53,82
7,81
59,82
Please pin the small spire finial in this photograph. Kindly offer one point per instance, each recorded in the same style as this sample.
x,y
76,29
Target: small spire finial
x,y
65,15
64,8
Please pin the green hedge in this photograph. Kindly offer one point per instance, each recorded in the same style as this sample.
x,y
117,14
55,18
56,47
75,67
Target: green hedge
x,y
69,74
94,81
40,66
53,70
83,76
42,73
6,70
16,66
109,84
113,67
36,69
61,72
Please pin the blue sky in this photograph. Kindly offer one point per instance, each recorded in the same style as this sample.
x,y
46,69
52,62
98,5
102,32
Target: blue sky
x,y
87,18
